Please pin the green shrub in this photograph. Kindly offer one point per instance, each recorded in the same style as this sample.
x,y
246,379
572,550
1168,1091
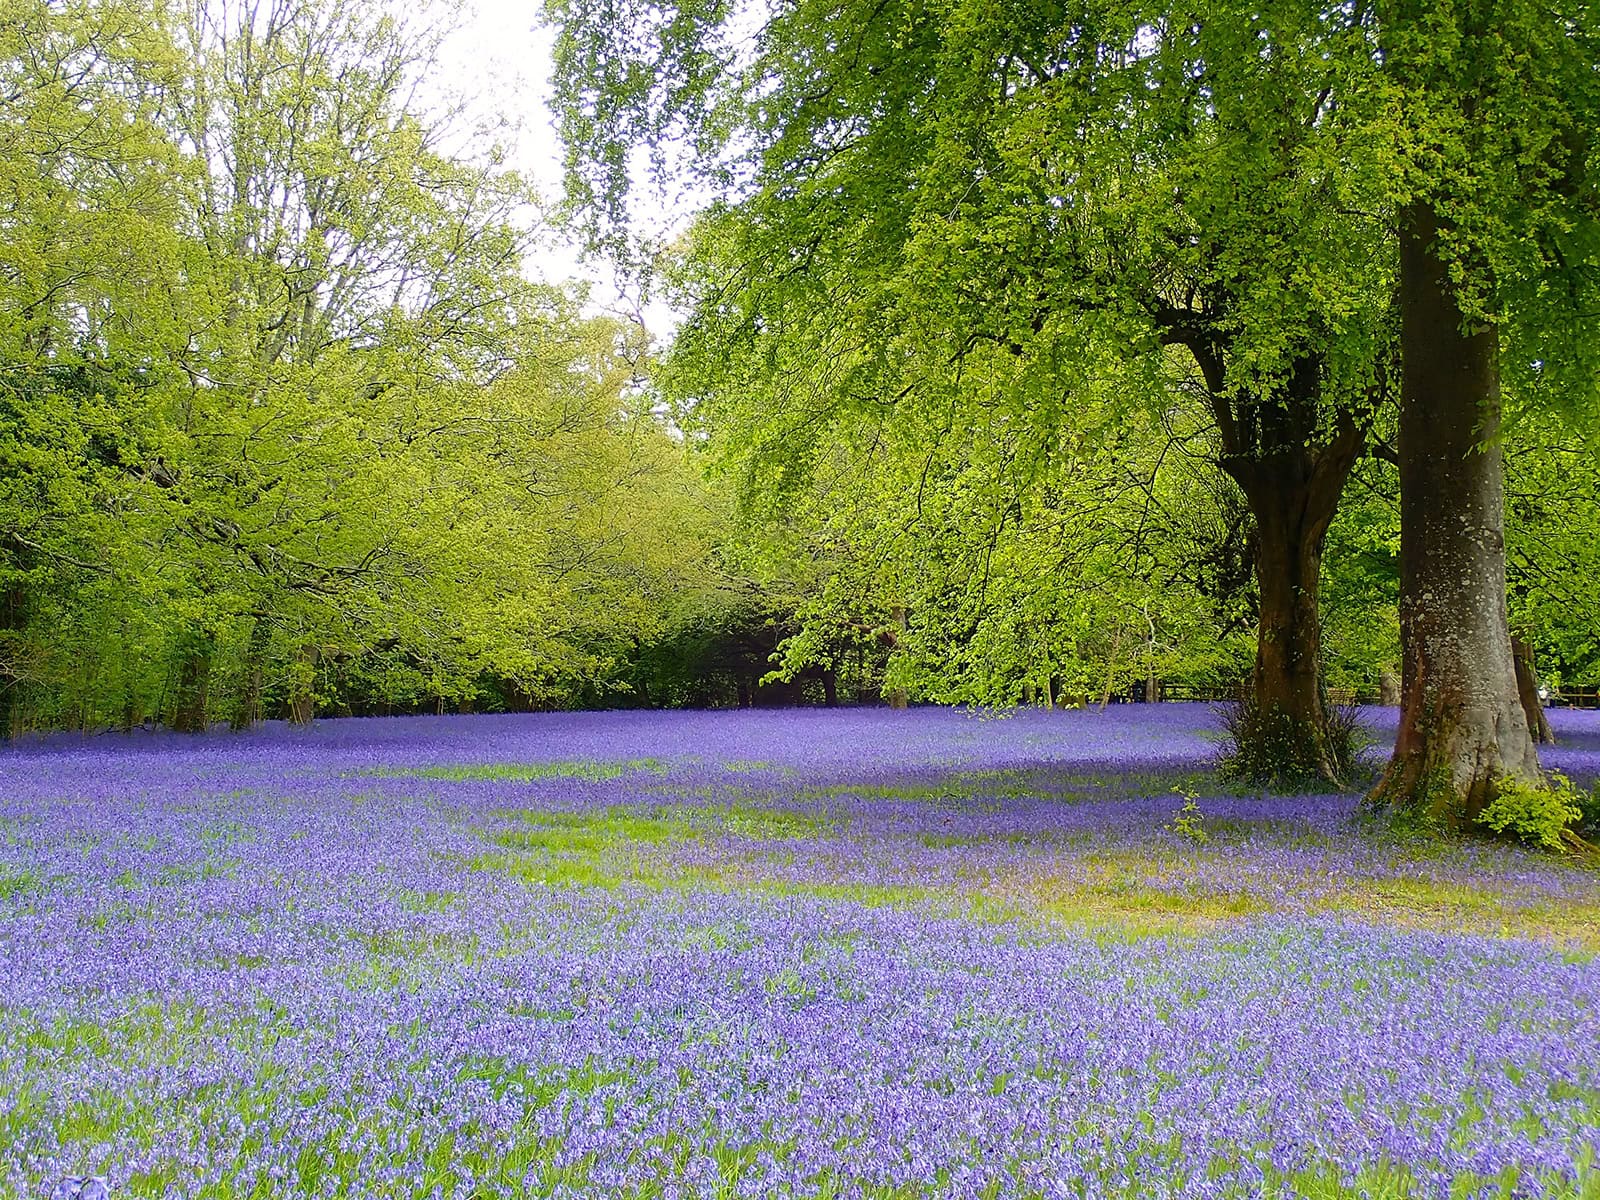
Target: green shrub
x,y
1269,748
1537,814
1189,821
1589,809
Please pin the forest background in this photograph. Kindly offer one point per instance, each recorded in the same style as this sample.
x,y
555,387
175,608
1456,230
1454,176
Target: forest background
x,y
962,410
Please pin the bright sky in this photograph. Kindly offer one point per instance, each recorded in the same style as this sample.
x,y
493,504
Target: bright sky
x,y
500,59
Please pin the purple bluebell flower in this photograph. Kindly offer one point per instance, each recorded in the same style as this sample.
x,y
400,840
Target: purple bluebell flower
x,y
792,954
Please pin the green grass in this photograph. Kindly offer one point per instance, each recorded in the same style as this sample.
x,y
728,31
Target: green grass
x,y
1108,891
15,883
593,772
624,848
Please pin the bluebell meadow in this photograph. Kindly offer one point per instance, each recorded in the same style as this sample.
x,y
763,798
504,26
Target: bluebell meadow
x,y
810,954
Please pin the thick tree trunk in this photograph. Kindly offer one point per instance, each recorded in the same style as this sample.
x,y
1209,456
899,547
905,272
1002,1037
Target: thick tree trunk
x,y
1287,683
1292,473
1528,693
1462,726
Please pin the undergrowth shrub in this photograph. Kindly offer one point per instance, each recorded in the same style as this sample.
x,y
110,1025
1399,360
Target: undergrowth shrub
x,y
1270,748
1589,811
1189,821
1539,814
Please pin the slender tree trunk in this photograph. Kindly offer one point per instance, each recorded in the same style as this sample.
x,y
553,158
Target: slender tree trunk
x,y
302,686
1528,693
897,697
1462,725
1111,669
830,688
247,705
1388,688
13,620
194,684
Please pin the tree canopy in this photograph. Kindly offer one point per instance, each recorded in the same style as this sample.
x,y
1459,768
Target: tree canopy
x,y
1025,225
1030,354
283,418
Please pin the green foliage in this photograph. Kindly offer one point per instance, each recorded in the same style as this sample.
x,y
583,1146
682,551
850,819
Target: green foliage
x,y
1539,814
1189,821
1005,330
1589,811
1360,583
945,377
1273,748
1552,551
950,269
283,427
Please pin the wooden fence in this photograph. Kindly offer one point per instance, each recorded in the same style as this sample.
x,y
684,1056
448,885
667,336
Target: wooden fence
x,y
1573,697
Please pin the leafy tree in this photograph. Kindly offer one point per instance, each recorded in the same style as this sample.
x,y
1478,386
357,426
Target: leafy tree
x,y
939,210
291,431
87,243
1489,108
1552,554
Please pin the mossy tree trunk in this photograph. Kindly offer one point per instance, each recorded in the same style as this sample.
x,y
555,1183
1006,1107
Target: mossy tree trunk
x,y
302,685
1462,723
247,705
897,697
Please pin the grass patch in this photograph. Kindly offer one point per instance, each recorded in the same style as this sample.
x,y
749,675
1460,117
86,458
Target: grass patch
x,y
592,772
623,848
1436,904
430,901
15,883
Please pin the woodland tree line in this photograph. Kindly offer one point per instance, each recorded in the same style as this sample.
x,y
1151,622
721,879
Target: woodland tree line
x,y
1031,351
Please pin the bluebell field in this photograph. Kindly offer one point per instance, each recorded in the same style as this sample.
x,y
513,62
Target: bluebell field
x,y
810,953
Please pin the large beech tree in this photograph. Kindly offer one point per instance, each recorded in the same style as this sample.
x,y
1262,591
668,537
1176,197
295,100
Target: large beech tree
x,y
1073,197
1496,210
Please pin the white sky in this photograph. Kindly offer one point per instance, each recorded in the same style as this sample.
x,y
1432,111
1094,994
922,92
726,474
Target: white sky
x,y
500,59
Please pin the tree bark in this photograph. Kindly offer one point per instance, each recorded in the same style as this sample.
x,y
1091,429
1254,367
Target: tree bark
x,y
897,697
13,621
1292,473
194,685
1462,725
1287,683
302,686
1528,692
1388,688
247,705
